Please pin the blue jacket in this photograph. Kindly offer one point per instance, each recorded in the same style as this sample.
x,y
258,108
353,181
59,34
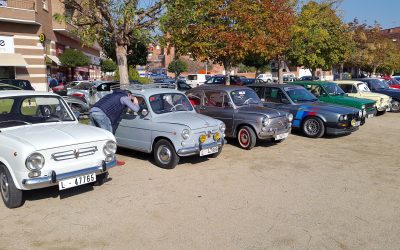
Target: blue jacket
x,y
111,105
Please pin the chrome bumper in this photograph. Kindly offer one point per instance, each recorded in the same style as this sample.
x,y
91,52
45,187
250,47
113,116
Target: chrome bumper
x,y
53,178
383,107
269,135
196,149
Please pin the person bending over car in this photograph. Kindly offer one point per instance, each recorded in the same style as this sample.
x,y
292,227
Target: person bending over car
x,y
106,113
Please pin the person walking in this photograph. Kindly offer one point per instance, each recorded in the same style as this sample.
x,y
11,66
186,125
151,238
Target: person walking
x,y
107,112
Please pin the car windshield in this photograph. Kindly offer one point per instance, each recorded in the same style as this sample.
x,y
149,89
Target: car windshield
x,y
23,110
243,97
169,102
377,84
333,89
300,95
83,86
363,87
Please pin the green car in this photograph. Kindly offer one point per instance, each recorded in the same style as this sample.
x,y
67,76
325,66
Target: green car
x,y
330,92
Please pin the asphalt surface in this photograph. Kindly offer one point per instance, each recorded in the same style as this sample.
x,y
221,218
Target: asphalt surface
x,y
328,193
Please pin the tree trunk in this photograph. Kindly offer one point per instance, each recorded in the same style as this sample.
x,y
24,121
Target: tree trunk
x,y
281,65
121,51
257,69
228,68
341,71
374,71
392,72
313,73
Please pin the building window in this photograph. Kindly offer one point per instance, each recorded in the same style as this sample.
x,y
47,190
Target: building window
x,y
45,4
3,3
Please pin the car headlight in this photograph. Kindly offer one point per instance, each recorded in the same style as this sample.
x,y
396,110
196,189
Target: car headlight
x,y
110,148
289,116
216,136
34,162
343,118
202,138
364,112
363,107
185,134
222,127
265,121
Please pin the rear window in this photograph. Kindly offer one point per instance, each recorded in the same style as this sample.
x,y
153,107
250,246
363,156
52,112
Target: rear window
x,y
5,106
192,77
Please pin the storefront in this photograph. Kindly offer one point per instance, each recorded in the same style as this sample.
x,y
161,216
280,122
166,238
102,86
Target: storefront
x,y
9,60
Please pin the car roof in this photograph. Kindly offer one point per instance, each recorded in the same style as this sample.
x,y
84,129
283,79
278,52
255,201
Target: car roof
x,y
7,93
9,85
219,87
152,91
310,82
349,82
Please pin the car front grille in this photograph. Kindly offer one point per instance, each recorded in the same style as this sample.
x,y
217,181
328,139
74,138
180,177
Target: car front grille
x,y
355,116
74,154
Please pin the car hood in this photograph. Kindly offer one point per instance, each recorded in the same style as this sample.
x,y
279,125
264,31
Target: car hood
x,y
257,109
56,135
351,100
374,96
191,119
327,107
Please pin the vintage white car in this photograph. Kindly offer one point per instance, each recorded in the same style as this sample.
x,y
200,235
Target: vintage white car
x,y
42,144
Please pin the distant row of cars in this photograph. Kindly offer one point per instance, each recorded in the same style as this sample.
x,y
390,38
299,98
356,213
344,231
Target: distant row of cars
x,y
170,124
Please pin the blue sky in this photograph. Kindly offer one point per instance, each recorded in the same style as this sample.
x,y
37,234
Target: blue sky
x,y
386,12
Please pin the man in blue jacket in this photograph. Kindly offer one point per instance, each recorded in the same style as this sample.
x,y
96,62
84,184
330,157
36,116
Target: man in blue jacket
x,y
106,113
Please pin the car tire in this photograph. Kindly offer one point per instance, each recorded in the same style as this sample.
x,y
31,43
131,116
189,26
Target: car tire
x,y
165,155
313,127
246,137
12,196
380,112
100,179
216,154
395,106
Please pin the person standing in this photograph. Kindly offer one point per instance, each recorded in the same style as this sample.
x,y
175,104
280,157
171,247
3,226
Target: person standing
x,y
106,113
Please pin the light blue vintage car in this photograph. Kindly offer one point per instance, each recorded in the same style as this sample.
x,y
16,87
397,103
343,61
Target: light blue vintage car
x,y
168,126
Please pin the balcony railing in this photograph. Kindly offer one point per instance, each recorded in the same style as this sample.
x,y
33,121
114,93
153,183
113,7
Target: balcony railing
x,y
18,4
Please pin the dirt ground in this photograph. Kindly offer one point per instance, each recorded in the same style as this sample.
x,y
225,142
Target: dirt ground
x,y
329,193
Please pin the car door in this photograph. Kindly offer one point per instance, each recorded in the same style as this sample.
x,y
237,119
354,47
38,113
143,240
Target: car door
x,y
276,98
134,130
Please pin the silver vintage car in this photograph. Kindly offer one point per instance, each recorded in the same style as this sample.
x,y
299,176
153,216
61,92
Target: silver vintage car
x,y
168,126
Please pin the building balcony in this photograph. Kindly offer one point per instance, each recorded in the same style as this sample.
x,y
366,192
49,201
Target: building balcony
x,y
18,11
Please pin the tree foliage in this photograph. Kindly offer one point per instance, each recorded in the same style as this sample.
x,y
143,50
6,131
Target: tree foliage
x,y
224,32
177,67
108,65
320,39
71,58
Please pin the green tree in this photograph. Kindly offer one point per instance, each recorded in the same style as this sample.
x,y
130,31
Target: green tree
x,y
177,67
256,61
320,39
133,76
108,65
73,58
117,20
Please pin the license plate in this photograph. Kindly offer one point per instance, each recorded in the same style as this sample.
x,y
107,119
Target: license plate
x,y
209,151
370,115
358,123
77,181
281,136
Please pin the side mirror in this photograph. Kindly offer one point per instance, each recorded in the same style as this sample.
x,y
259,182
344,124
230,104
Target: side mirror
x,y
144,112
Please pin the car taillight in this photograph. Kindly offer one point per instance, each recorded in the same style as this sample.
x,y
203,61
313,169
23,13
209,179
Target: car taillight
x,y
78,95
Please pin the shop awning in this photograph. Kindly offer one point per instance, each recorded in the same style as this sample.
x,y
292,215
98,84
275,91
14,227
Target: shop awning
x,y
54,59
8,59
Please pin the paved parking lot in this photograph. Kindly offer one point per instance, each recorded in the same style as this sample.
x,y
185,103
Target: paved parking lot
x,y
329,193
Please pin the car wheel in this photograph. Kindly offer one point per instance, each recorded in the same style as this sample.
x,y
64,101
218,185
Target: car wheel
x,y
395,106
269,81
165,155
100,179
313,127
12,196
246,137
216,154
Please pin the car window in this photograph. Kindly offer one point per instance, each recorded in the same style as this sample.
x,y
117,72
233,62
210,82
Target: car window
x,y
333,89
274,95
244,97
316,90
83,86
214,99
169,102
195,98
192,77
209,81
259,90
183,86
363,87
6,105
104,87
218,80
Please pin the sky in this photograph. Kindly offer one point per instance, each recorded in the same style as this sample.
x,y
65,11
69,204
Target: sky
x,y
385,12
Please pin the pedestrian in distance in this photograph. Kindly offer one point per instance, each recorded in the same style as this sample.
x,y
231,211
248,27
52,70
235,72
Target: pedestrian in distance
x,y
107,112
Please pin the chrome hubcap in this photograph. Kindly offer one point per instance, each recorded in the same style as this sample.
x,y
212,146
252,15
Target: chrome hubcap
x,y
243,138
164,154
312,127
4,186
395,106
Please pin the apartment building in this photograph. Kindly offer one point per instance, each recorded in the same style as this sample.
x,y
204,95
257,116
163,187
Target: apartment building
x,y
31,41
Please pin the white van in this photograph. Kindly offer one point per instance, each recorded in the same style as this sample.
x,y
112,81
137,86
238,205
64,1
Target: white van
x,y
265,77
195,80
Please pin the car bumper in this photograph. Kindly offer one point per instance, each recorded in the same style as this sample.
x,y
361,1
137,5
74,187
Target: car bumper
x,y
196,149
341,131
263,135
383,108
371,113
54,178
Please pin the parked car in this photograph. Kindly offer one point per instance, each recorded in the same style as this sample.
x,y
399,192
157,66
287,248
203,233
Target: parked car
x,y
267,77
179,85
360,90
91,92
330,92
23,84
221,79
8,87
195,80
42,144
394,82
308,78
243,113
378,86
168,126
78,106
313,117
